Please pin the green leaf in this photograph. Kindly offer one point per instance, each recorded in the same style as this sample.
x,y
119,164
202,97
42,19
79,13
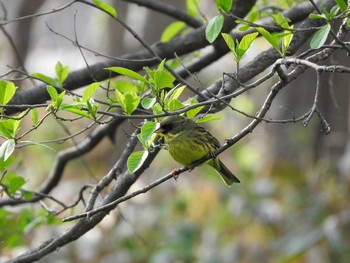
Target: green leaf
x,y
341,4
34,116
27,195
132,101
7,90
208,118
76,110
272,39
172,30
31,142
245,44
320,37
92,108
124,86
174,93
253,14
121,99
224,5
317,16
230,43
106,7
136,160
45,78
60,98
128,72
192,7
157,109
281,20
214,27
287,39
90,91
5,164
148,103
333,13
193,112
163,79
13,182
147,131
174,105
6,149
61,72
52,92
9,128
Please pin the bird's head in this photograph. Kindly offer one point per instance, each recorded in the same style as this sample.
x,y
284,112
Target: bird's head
x,y
173,125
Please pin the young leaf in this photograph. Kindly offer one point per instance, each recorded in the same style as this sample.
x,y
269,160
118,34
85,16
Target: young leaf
x,y
163,79
76,110
229,42
174,93
34,116
192,7
333,12
136,160
7,90
161,65
31,142
90,91
281,20
121,99
253,14
52,92
60,98
174,105
27,195
13,182
214,27
341,4
320,37
132,100
147,131
172,30
106,7
245,44
224,5
251,17
92,108
128,72
287,39
61,72
208,118
45,78
9,128
124,86
6,149
317,16
157,109
148,103
272,39
193,112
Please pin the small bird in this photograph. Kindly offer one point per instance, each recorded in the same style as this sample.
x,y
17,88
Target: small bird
x,y
188,142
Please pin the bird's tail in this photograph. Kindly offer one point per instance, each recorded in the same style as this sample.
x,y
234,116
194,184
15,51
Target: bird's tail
x,y
228,177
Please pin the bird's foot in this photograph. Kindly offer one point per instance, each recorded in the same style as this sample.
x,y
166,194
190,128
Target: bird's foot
x,y
175,173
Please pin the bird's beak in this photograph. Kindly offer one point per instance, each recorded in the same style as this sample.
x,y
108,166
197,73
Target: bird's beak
x,y
159,130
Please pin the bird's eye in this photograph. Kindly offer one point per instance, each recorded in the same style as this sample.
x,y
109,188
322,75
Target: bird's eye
x,y
167,127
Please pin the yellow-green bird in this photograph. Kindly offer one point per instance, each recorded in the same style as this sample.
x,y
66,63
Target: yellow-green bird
x,y
188,142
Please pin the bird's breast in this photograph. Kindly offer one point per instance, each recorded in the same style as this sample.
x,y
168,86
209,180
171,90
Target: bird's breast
x,y
186,149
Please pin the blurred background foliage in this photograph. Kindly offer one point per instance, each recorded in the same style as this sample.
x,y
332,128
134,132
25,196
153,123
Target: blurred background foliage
x,y
293,201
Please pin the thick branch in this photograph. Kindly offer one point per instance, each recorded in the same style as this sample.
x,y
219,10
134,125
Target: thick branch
x,y
180,45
